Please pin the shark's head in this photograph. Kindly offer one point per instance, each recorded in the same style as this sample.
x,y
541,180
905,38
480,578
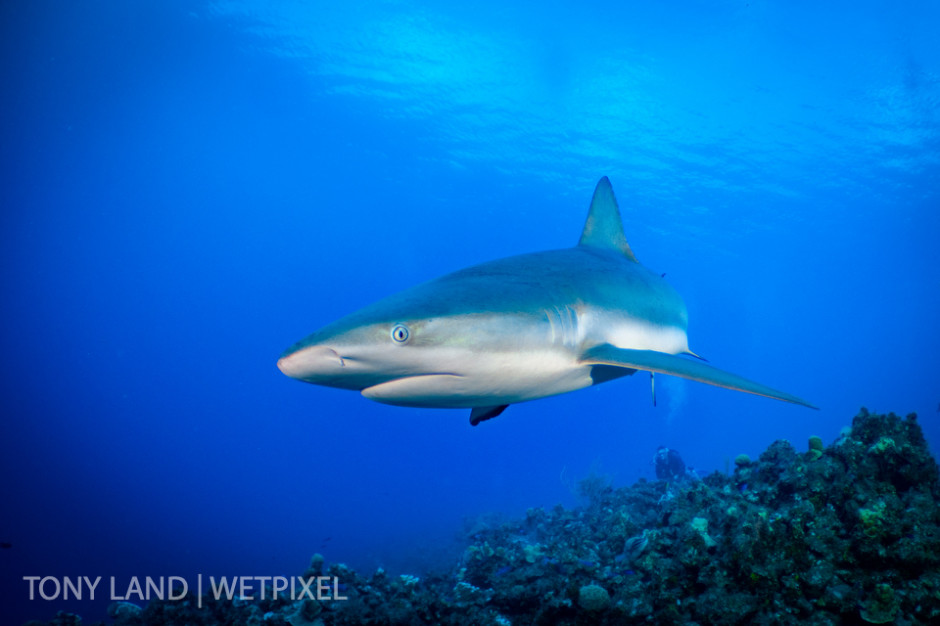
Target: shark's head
x,y
421,347
357,352
461,340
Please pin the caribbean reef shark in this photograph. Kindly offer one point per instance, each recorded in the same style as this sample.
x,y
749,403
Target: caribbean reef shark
x,y
515,329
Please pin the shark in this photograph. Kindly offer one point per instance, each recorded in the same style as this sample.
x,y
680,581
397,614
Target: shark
x,y
516,329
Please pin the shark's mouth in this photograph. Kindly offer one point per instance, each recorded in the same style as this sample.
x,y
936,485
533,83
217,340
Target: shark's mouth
x,y
443,390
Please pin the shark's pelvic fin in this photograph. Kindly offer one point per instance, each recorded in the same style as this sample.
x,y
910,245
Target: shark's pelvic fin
x,y
663,363
483,413
604,228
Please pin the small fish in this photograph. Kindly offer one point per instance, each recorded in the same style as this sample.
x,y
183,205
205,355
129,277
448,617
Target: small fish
x,y
635,546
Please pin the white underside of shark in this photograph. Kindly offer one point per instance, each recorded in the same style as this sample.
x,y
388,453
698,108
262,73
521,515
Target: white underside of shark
x,y
515,329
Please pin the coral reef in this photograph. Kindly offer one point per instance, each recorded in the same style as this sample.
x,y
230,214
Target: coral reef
x,y
742,460
815,447
593,598
847,534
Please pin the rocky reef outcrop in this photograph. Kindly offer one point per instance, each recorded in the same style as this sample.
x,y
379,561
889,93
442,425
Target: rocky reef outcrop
x,y
844,534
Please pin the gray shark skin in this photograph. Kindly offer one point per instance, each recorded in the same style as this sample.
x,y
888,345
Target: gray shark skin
x,y
515,329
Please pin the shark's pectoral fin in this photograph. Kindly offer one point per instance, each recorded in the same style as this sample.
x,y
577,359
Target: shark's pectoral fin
x,y
670,364
483,413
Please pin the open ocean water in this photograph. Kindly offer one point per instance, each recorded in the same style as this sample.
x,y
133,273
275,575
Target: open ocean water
x,y
188,187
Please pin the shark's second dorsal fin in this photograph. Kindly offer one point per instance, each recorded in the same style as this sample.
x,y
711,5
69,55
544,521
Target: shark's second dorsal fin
x,y
604,228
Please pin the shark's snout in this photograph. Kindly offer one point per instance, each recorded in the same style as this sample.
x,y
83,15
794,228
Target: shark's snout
x,y
311,364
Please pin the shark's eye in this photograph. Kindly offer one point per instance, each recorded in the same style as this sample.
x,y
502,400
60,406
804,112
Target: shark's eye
x,y
400,333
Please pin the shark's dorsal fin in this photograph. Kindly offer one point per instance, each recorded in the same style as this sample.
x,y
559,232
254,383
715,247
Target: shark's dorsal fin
x,y
604,228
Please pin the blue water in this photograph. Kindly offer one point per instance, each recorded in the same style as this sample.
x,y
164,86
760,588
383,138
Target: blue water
x,y
189,187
